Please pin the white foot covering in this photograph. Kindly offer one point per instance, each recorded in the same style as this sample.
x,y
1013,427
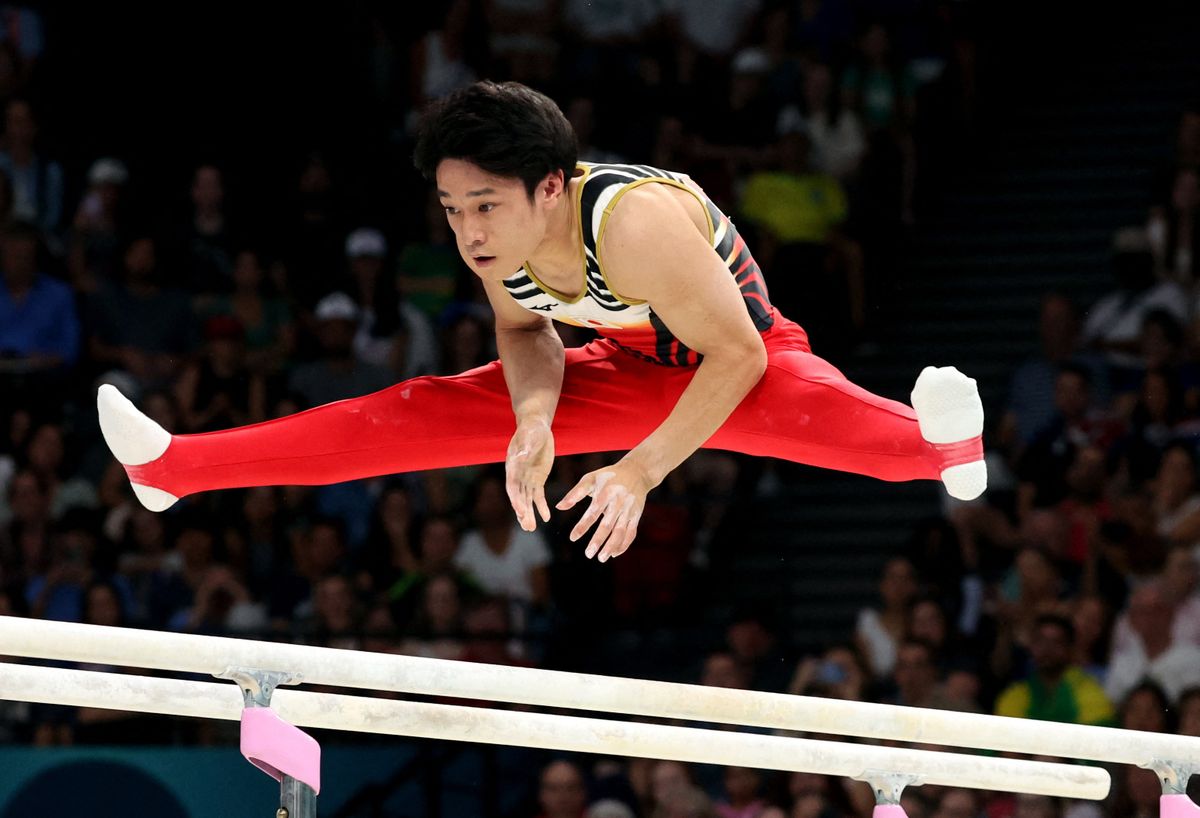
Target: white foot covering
x,y
134,439
949,411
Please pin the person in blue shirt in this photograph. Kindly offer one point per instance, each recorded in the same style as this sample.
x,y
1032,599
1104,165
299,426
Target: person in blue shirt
x,y
39,327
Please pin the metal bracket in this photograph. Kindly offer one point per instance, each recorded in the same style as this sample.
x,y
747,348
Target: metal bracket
x,y
1173,776
888,785
258,685
296,800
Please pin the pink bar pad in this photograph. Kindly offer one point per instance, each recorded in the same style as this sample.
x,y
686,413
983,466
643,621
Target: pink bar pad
x,y
1177,806
278,748
889,811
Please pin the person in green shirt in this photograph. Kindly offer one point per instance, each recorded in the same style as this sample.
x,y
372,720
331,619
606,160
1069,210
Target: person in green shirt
x,y
1056,690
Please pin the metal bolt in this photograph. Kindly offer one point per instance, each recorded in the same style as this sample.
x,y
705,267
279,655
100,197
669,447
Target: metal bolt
x,y
281,812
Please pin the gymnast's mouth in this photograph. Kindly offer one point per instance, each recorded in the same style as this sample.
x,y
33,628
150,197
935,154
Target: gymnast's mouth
x,y
483,261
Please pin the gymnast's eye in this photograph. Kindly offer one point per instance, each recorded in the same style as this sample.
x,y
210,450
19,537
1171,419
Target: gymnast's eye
x,y
450,211
486,207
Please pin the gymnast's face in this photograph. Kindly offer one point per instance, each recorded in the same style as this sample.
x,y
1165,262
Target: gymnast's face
x,y
497,226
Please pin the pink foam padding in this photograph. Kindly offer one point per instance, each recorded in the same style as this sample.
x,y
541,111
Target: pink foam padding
x,y
1177,806
889,811
278,748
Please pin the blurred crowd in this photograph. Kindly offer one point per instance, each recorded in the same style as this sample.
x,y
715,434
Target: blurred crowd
x,y
1070,593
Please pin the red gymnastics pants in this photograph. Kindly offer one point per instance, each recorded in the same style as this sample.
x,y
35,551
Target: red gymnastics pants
x,y
803,410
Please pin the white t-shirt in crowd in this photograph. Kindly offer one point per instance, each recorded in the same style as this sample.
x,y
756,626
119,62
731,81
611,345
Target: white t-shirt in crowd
x,y
714,26
506,574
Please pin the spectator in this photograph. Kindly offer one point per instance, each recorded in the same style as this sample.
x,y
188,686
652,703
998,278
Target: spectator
x,y
799,212
59,592
37,182
837,674
436,628
1091,616
338,373
692,802
46,456
1056,690
1181,586
1146,708
206,239
502,557
581,113
1114,323
743,797
667,780
440,57
879,632
430,264
1032,392
266,319
957,803
916,677
218,390
39,329
466,343
139,325
1189,712
390,552
1173,232
1042,468
521,39
1151,652
609,808
94,251
317,552
489,634
220,604
836,133
1175,500
753,642
561,791
387,325
722,670
437,548
336,617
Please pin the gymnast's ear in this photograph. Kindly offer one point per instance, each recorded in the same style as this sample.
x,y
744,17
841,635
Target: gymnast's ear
x,y
552,186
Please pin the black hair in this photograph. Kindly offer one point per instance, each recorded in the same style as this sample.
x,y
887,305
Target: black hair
x,y
505,128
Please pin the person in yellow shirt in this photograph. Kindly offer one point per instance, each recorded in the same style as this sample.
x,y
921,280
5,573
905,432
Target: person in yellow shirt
x,y
1056,690
798,211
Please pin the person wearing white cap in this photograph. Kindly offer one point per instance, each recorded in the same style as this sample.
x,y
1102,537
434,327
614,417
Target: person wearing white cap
x,y
94,241
692,353
385,316
338,373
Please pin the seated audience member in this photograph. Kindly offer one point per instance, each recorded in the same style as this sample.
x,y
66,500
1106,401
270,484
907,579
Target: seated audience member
x,y
562,792
39,328
1114,323
138,324
1031,396
1150,652
503,559
1146,708
1055,690
269,332
218,390
37,182
879,631
1189,712
338,373
436,627
743,794
94,251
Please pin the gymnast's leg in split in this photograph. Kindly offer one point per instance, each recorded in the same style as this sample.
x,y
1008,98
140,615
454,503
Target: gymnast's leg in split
x,y
802,410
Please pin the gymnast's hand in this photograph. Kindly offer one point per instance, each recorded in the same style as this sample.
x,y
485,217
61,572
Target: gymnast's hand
x,y
530,456
618,495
